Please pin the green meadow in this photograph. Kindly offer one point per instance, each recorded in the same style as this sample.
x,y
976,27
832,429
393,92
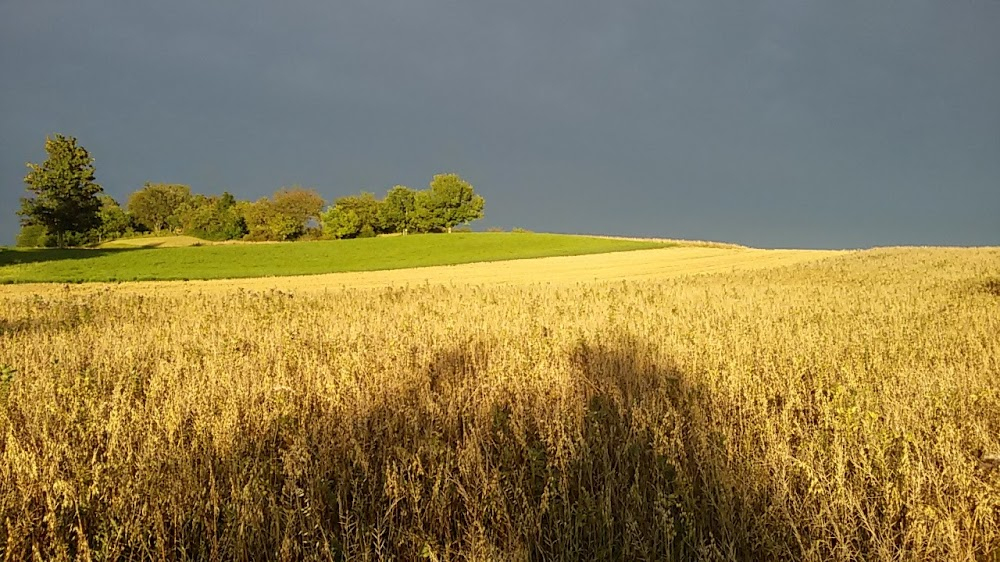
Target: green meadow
x,y
231,261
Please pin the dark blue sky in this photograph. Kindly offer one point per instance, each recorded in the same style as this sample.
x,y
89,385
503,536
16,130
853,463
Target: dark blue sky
x,y
791,123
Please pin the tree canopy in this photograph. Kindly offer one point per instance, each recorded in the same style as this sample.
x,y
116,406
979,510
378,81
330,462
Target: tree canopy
x,y
68,207
156,205
395,214
448,202
451,201
115,222
353,216
212,217
301,205
65,193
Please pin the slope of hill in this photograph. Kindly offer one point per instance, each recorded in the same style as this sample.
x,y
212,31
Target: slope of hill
x,y
157,242
300,258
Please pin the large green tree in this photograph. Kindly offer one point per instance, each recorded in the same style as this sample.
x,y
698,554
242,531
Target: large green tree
x,y
213,217
451,201
395,214
353,216
264,221
426,217
64,192
115,222
339,222
286,216
158,205
301,205
32,236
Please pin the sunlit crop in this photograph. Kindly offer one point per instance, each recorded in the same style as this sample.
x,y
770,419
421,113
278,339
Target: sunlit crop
x,y
837,410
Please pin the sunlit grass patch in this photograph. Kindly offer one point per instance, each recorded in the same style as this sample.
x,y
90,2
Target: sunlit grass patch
x,y
229,261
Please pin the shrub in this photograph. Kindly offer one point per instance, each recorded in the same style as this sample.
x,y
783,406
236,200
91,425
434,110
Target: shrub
x,y
32,236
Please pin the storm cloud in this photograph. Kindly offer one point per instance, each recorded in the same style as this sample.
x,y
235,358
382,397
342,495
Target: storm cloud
x,y
773,123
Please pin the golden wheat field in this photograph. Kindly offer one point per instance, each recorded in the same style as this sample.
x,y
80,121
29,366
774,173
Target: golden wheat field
x,y
845,408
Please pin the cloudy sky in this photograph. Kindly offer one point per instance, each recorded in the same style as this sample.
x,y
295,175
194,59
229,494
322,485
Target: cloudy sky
x,y
786,123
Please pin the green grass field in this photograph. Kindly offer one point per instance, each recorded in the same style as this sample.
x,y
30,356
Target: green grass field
x,y
294,258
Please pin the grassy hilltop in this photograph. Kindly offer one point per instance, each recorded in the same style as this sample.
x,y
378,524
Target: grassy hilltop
x,y
152,259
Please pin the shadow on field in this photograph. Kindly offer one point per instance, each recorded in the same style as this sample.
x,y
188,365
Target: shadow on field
x,y
992,286
653,479
15,256
455,456
621,464
48,319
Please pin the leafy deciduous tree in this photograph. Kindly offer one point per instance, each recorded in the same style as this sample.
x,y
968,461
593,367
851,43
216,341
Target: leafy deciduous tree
x,y
451,201
425,215
341,223
286,216
395,214
213,217
115,222
256,215
265,222
352,216
301,205
157,205
32,236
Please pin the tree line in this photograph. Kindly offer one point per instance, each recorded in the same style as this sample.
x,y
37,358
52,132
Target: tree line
x,y
66,207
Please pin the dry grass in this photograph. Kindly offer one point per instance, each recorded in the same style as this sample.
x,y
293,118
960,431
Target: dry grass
x,y
177,241
843,409
694,243
158,242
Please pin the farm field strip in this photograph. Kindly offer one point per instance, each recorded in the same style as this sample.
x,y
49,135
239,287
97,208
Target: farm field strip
x,y
244,261
630,265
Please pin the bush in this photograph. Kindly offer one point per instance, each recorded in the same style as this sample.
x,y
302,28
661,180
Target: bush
x,y
79,238
520,230
256,236
36,236
32,236
312,233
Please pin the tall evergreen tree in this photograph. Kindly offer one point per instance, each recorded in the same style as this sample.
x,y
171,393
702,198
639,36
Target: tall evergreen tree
x,y
65,195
